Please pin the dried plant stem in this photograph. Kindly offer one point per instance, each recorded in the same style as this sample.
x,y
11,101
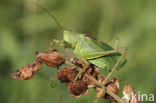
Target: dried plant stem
x,y
117,98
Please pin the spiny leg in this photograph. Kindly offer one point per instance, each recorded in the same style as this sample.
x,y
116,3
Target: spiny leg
x,y
116,44
110,41
115,66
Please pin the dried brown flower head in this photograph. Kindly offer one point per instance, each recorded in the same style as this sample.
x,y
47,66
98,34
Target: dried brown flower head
x,y
52,59
77,88
27,72
66,75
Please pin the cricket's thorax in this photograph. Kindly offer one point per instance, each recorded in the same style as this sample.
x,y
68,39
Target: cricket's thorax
x,y
72,38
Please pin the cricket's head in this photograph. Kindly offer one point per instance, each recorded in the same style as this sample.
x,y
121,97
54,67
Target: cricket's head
x,y
72,38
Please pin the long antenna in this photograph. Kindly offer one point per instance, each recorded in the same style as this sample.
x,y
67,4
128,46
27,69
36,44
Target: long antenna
x,y
38,3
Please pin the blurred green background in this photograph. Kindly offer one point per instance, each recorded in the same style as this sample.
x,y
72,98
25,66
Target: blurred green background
x,y
25,28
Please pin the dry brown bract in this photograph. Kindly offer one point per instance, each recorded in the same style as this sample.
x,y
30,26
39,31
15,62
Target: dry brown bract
x,y
27,72
52,59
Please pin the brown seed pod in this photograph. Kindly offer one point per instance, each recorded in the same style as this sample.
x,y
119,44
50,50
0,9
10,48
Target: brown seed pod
x,y
27,72
66,75
78,88
52,59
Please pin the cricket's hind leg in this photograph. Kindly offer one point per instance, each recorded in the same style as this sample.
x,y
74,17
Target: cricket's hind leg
x,y
114,39
124,51
94,55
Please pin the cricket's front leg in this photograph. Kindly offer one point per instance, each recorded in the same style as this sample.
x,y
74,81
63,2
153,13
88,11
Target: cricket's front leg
x,y
78,52
83,69
54,44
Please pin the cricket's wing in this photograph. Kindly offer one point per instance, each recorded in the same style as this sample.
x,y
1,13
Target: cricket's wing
x,y
97,53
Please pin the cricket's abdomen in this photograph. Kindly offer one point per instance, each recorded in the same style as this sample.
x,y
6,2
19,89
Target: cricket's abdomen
x,y
86,46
